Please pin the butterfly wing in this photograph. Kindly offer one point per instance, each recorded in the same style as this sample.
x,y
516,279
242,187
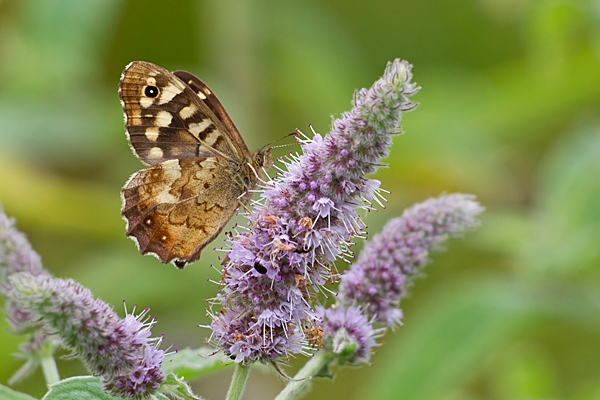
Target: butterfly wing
x,y
213,102
175,208
196,178
165,119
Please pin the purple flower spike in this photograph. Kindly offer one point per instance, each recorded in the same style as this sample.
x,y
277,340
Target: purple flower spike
x,y
119,350
305,222
16,255
381,275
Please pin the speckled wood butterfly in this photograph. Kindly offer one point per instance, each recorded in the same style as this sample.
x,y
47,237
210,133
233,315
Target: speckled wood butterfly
x,y
200,169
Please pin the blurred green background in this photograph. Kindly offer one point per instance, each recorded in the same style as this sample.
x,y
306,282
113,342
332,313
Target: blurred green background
x,y
510,111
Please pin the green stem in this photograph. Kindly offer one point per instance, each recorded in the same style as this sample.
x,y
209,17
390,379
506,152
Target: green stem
x,y
49,368
301,382
238,382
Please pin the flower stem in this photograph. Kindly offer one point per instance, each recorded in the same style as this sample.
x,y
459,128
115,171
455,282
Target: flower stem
x,y
238,382
49,366
301,382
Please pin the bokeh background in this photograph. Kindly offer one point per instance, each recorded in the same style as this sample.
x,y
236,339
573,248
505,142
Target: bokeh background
x,y
510,112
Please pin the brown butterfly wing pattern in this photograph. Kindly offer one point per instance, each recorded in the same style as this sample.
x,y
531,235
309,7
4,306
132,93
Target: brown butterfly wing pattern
x,y
165,119
213,102
200,168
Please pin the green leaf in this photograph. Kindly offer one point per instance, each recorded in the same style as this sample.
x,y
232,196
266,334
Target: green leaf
x,y
80,388
7,393
195,363
176,388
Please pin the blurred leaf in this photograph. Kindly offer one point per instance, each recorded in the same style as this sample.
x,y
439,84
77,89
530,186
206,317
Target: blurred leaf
x,y
566,231
9,394
526,373
195,363
70,131
466,322
503,230
36,197
316,61
55,45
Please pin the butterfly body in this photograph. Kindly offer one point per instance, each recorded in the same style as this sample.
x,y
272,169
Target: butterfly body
x,y
200,169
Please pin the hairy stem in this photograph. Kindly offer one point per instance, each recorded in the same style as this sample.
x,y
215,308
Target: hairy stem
x,y
301,382
49,366
238,382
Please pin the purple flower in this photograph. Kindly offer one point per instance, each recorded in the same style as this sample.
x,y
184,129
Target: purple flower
x,y
119,350
305,222
381,275
348,333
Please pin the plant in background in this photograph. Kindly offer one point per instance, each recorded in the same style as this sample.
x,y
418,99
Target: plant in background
x,y
268,308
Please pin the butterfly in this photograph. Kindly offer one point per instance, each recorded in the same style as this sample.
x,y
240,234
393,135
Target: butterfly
x,y
199,167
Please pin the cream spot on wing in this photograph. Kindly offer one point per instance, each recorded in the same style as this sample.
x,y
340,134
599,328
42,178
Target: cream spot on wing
x,y
163,238
188,111
163,118
202,95
155,152
150,81
168,93
171,171
208,163
152,133
149,221
213,137
146,101
198,127
171,164
166,198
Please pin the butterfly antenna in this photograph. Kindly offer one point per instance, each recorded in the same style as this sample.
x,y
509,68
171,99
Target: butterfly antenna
x,y
270,144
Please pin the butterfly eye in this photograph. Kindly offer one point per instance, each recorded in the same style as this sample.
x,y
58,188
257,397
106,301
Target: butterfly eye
x,y
151,91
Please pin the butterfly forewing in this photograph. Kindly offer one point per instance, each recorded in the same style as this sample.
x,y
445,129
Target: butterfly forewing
x,y
166,120
213,102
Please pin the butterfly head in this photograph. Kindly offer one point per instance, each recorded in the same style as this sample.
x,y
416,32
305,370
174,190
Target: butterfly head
x,y
263,158
256,166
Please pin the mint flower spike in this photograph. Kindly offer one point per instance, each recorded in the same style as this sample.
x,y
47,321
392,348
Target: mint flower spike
x,y
120,351
383,272
305,221
371,290
16,255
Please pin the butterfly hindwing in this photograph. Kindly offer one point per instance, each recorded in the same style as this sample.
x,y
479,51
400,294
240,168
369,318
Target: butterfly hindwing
x,y
175,208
